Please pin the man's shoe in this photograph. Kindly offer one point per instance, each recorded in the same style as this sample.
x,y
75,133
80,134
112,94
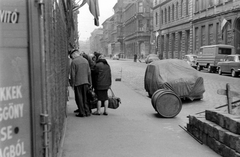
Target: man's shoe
x,y
76,111
87,115
80,115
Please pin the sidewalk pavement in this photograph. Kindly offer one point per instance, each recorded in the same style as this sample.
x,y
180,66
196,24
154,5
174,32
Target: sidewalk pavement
x,y
132,130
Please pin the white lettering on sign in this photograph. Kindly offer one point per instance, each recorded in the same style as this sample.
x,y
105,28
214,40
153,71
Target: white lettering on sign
x,y
6,133
9,16
9,93
12,111
13,150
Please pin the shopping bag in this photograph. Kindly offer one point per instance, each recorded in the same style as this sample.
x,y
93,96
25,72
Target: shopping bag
x,y
114,101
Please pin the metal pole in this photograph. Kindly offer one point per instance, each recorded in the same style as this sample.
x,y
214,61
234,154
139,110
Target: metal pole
x,y
44,115
229,98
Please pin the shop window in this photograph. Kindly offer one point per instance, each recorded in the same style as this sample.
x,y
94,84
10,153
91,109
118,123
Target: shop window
x,y
169,14
177,11
162,16
196,6
140,7
181,8
140,25
210,35
173,12
156,18
165,15
203,5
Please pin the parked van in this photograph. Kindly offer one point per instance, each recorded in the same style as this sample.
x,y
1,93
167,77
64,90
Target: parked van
x,y
210,55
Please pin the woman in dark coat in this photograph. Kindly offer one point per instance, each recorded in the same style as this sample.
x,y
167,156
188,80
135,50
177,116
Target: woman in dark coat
x,y
103,78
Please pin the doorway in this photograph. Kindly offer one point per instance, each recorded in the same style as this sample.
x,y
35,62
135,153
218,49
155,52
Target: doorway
x,y
237,36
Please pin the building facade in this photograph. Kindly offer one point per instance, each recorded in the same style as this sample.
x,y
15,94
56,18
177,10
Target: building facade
x,y
216,22
173,25
117,35
137,27
95,41
106,38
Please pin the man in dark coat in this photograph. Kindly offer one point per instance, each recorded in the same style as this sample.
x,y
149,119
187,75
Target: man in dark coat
x,y
80,75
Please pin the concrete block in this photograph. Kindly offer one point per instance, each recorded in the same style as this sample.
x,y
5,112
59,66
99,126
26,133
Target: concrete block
x,y
220,148
238,146
204,138
227,121
206,130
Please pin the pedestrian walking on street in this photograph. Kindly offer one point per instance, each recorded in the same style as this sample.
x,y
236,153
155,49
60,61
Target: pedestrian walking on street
x,y
80,75
103,78
135,57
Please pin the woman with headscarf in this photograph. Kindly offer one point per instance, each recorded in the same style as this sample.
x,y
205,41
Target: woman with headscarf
x,y
103,78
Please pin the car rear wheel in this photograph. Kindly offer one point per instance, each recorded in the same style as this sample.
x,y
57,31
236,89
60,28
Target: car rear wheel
x,y
233,73
219,71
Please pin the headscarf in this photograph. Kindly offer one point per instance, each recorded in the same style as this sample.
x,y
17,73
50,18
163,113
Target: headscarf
x,y
104,61
97,55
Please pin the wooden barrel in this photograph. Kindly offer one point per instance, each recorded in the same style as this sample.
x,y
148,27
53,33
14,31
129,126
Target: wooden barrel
x,y
166,103
154,96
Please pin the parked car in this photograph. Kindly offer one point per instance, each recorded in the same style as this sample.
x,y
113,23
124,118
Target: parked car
x,y
176,75
191,60
210,55
231,65
115,57
151,57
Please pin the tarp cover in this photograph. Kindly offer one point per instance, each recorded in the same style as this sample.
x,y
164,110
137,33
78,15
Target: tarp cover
x,y
176,75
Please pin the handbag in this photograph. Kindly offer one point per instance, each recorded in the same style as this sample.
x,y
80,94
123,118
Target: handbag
x,y
114,101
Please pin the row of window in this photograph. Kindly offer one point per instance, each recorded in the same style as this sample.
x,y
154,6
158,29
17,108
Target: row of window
x,y
203,4
176,10
173,12
212,34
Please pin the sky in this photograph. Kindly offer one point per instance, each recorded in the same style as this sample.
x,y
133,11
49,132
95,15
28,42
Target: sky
x,y
86,19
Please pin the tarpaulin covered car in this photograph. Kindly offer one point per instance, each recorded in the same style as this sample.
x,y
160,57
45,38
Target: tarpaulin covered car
x,y
176,75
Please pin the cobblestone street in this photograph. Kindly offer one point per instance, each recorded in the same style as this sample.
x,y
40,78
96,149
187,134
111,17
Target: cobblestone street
x,y
133,75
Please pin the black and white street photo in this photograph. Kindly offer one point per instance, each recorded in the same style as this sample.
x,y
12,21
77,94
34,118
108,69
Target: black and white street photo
x,y
119,78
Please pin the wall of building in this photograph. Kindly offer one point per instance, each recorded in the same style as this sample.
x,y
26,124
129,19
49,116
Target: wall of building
x,y
172,20
95,41
207,21
137,27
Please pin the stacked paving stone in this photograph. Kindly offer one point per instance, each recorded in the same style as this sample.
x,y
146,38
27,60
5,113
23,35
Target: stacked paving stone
x,y
218,130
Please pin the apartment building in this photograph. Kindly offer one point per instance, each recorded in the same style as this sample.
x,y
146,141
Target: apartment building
x,y
95,41
117,35
106,38
137,27
216,22
172,21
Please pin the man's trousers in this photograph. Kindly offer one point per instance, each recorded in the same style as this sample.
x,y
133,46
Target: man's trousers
x,y
81,99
